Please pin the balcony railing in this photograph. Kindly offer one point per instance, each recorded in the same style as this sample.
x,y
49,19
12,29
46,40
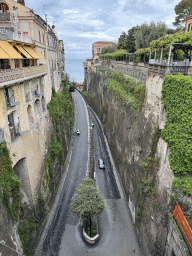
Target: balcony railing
x,y
5,16
7,75
14,131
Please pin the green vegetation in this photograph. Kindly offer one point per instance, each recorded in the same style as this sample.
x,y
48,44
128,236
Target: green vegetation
x,y
85,93
87,202
164,41
109,49
183,10
127,91
9,184
146,188
24,232
61,110
72,87
177,93
115,55
102,110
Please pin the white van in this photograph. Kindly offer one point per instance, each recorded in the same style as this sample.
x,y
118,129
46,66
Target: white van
x,y
101,164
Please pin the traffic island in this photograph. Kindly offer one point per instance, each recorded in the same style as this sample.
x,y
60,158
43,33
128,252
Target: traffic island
x,y
94,236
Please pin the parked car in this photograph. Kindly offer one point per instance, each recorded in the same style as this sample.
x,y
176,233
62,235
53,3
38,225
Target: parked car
x,y
92,124
78,132
101,164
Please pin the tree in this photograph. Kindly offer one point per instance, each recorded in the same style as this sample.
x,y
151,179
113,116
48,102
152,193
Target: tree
x,y
87,202
183,9
149,32
126,41
109,49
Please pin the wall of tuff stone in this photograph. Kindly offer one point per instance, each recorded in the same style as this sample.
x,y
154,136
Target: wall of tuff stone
x,y
132,140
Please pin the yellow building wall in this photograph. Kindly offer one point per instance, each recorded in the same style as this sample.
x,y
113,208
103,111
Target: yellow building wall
x,y
187,24
32,145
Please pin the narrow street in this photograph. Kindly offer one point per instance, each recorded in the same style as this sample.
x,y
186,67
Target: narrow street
x,y
62,233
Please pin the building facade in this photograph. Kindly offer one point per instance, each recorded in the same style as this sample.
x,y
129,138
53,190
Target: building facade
x,y
97,47
188,26
19,22
31,63
24,119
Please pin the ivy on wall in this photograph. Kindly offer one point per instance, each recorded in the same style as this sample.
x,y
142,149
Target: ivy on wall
x,y
126,91
61,109
9,184
177,132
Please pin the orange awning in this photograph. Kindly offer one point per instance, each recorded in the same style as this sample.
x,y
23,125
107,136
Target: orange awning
x,y
31,52
10,50
40,55
4,55
26,54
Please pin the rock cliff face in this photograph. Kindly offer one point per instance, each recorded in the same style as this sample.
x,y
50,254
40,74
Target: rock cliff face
x,y
141,158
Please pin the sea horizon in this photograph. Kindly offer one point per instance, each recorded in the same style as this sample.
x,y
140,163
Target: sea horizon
x,y
75,70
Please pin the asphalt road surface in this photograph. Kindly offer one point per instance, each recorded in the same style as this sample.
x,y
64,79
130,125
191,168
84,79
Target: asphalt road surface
x,y
63,232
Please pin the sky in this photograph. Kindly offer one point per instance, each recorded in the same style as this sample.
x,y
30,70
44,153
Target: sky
x,y
81,23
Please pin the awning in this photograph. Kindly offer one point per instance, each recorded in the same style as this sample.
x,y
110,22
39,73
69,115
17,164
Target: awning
x,y
10,50
4,55
26,54
40,55
31,52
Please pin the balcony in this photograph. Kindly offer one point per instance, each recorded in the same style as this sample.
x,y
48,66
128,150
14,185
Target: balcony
x,y
85,64
5,16
10,76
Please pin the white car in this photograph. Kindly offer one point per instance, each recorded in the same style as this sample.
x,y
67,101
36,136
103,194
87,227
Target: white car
x,y
78,132
92,124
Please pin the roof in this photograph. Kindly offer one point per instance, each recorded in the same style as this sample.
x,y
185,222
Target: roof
x,y
103,42
189,18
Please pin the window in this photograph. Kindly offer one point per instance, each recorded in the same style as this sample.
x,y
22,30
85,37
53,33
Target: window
x,y
27,92
4,8
30,115
16,63
41,82
39,36
9,97
14,125
43,102
4,64
190,27
43,38
37,109
34,88
98,49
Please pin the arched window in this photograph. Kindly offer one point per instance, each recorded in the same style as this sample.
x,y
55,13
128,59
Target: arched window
x,y
37,109
190,27
43,103
4,8
39,36
30,115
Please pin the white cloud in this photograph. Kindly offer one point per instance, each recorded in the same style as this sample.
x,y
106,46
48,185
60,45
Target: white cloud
x,y
101,35
71,11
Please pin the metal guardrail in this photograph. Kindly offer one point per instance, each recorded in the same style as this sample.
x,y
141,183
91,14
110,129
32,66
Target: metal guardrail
x,y
17,73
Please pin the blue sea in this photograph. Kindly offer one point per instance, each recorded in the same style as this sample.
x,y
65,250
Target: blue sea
x,y
75,70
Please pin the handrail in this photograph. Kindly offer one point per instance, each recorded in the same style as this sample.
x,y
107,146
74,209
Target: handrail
x,y
183,223
13,74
